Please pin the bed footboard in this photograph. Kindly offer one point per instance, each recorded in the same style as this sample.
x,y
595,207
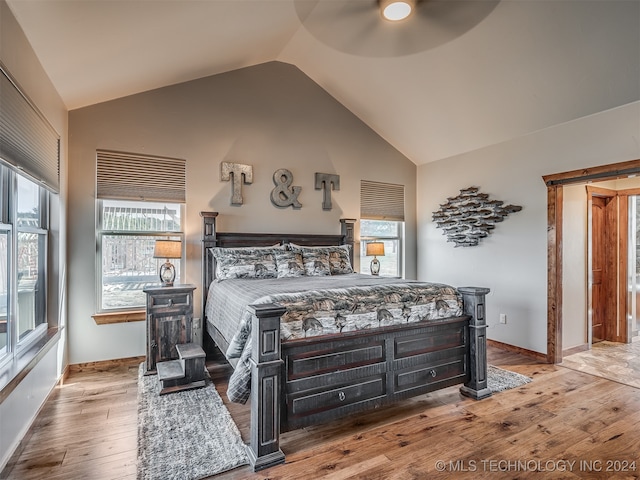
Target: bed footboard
x,y
266,367
474,298
415,359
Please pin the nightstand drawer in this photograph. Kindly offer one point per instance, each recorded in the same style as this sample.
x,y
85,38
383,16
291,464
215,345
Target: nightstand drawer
x,y
180,300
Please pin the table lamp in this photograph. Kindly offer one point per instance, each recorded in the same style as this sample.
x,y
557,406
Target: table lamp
x,y
375,249
167,249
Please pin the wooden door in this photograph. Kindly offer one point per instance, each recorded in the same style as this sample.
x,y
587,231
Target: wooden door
x,y
598,267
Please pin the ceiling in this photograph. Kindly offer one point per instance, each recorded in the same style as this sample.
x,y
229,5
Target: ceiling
x,y
458,76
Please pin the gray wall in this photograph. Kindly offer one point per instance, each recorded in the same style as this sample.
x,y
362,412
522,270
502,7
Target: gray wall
x,y
513,260
270,116
20,408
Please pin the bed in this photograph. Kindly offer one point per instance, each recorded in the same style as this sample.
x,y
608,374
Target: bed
x,y
312,341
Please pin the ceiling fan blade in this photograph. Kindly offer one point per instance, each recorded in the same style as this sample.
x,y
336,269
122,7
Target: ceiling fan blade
x,y
356,26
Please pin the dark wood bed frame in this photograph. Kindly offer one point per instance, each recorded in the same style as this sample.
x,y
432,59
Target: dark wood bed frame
x,y
303,382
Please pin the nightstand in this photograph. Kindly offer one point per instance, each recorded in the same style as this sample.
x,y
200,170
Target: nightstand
x,y
169,322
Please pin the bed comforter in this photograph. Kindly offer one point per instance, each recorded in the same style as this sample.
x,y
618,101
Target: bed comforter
x,y
323,305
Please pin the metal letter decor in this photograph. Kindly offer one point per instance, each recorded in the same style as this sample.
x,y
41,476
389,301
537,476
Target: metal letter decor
x,y
326,182
469,217
239,173
285,195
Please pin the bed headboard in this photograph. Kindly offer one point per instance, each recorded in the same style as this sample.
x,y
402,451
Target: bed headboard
x,y
212,238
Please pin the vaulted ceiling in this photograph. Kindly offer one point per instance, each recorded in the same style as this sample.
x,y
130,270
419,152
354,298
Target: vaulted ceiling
x,y
457,76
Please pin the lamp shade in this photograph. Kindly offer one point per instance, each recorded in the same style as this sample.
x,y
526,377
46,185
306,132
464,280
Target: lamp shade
x,y
167,249
375,249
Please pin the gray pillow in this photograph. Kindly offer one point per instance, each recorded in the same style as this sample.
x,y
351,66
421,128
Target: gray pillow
x,y
289,264
339,260
246,262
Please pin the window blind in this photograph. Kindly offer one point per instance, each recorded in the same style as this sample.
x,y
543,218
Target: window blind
x,y
130,176
27,141
381,201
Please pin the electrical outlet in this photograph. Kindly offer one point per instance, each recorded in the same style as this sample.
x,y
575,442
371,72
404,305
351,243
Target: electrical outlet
x,y
503,318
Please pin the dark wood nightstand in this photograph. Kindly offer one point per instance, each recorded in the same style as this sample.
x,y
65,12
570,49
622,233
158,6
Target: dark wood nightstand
x,y
169,322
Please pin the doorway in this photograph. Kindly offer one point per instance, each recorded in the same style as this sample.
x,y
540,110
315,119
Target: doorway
x,y
607,264
555,183
600,281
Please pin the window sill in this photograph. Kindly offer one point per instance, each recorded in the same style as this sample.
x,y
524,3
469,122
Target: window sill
x,y
22,364
120,317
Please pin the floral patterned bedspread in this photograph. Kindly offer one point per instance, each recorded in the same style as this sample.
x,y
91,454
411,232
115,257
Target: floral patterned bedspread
x,y
326,305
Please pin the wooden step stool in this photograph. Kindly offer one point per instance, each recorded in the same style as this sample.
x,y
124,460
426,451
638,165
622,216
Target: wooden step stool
x,y
185,373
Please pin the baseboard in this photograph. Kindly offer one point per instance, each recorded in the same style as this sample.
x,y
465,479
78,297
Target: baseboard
x,y
522,351
106,364
578,349
63,376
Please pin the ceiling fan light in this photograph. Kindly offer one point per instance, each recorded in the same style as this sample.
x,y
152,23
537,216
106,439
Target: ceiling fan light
x,y
395,10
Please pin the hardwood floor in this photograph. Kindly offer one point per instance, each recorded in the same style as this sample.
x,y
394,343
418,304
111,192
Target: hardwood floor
x,y
565,424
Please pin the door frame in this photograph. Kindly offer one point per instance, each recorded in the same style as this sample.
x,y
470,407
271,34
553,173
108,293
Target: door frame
x,y
554,183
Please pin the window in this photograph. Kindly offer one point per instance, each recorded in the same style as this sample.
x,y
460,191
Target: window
x,y
140,199
127,232
389,233
382,220
5,241
24,214
31,256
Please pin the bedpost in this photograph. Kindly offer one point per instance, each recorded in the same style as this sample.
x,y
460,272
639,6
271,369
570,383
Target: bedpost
x,y
474,300
348,235
266,363
208,241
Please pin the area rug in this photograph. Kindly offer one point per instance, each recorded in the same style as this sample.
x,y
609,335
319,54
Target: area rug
x,y
499,379
185,435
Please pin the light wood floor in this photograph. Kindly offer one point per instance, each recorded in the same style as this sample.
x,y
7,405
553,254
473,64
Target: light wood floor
x,y
87,430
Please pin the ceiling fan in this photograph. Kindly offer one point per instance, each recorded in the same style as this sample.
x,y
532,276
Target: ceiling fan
x,y
357,27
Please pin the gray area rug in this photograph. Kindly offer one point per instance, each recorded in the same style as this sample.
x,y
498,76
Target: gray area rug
x,y
499,379
185,435
190,435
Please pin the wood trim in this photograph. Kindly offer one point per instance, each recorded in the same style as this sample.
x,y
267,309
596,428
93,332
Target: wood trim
x,y
103,365
554,273
580,348
119,317
601,172
629,191
601,192
64,376
623,245
541,357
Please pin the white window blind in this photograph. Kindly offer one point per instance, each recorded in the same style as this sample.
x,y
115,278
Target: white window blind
x,y
381,201
27,141
130,176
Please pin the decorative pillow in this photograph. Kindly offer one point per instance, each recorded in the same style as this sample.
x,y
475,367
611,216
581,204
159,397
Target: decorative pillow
x,y
316,263
339,260
289,264
246,262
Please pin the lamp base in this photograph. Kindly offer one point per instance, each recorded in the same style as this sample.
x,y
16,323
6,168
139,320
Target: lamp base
x,y
167,274
375,266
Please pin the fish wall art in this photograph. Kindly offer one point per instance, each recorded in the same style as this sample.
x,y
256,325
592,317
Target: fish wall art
x,y
470,216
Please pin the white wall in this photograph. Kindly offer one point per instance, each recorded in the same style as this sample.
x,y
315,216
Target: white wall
x,y
513,260
270,116
574,266
19,409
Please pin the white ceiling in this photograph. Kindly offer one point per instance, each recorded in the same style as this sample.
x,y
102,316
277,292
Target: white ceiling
x,y
458,76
